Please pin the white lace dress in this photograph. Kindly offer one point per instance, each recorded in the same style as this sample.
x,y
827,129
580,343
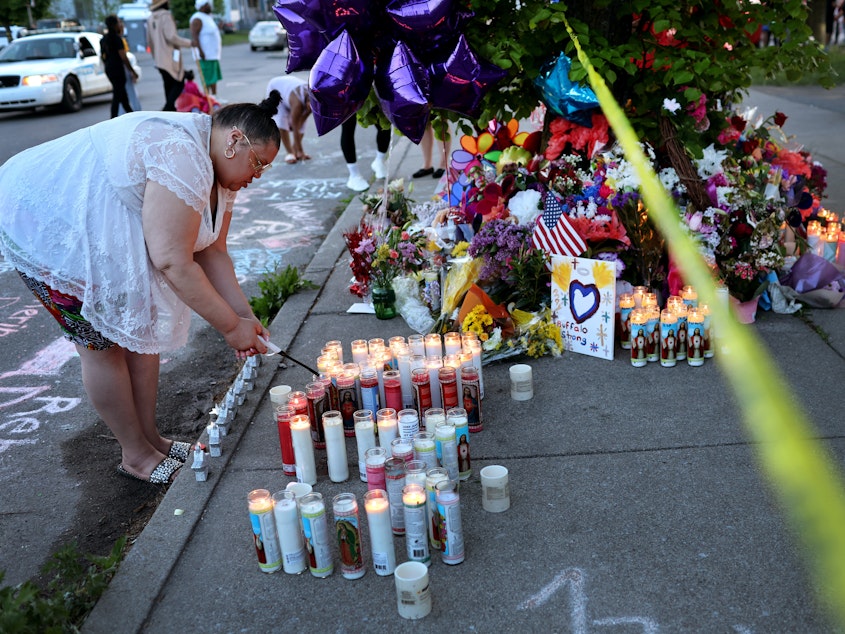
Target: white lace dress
x,y
70,215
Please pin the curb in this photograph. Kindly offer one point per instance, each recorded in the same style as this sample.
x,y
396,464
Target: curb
x,y
155,552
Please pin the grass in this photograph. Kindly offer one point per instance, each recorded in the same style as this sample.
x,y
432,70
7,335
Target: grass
x,y
836,56
276,286
238,37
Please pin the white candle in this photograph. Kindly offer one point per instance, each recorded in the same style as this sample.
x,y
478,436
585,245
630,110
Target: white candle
x,y
433,345
475,348
394,343
388,426
409,423
413,591
433,364
289,531
303,449
381,534
365,437
403,362
452,342
359,351
335,446
375,345
337,346
417,344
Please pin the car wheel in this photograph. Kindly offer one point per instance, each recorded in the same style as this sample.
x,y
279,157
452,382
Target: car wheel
x,y
253,48
71,95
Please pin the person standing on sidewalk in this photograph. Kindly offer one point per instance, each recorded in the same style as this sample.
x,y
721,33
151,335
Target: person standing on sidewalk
x,y
205,38
357,182
164,44
427,147
127,240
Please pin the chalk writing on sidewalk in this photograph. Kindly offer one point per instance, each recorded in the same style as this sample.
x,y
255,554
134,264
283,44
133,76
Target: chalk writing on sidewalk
x,y
24,406
574,579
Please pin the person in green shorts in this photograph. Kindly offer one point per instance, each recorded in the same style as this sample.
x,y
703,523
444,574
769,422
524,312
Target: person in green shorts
x,y
207,44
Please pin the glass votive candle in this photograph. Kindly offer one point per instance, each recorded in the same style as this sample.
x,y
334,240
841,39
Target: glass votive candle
x,y
668,338
689,296
639,338
626,305
695,330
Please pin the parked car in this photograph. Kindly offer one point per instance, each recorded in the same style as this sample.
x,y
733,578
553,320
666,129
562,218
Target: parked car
x,y
53,69
268,35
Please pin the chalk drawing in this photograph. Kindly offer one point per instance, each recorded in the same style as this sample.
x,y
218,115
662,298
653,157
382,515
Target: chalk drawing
x,y
47,361
575,579
12,323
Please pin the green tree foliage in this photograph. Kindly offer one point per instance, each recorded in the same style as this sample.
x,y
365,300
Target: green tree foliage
x,y
14,13
646,51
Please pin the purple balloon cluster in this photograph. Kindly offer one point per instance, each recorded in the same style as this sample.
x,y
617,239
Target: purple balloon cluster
x,y
413,50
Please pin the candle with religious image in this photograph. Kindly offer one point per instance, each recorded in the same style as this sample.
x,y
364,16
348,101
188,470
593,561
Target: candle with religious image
x,y
451,531
458,417
471,397
695,328
317,403
474,346
348,530
382,548
347,395
709,349
680,311
444,435
639,338
626,305
432,477
668,338
264,537
653,328
315,527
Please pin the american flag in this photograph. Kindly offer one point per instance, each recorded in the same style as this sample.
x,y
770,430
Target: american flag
x,y
553,232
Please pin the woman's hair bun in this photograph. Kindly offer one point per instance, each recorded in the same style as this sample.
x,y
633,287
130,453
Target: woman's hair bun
x,y
271,104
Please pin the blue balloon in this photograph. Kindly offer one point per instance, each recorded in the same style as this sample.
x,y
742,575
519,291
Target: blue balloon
x,y
570,100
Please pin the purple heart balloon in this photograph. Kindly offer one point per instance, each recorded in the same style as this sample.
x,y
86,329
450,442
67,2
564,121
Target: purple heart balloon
x,y
340,81
352,15
418,17
298,12
461,82
402,89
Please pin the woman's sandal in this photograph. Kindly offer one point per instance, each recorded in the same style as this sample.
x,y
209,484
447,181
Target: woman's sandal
x,y
162,474
180,451
290,159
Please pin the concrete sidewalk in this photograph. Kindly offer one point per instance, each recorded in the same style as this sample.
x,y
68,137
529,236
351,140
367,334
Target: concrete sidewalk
x,y
637,504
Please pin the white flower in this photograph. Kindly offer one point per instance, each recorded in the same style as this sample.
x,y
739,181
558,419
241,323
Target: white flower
x,y
494,341
525,206
671,105
711,162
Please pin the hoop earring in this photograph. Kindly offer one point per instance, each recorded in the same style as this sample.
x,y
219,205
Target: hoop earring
x,y
229,152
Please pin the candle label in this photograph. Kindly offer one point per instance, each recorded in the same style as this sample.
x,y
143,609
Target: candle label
x,y
449,394
708,338
349,543
348,396
464,462
376,477
409,424
695,343
432,514
625,327
395,484
425,451
451,531
369,395
668,344
682,338
265,540
316,407
472,404
422,396
315,528
416,533
652,329
381,563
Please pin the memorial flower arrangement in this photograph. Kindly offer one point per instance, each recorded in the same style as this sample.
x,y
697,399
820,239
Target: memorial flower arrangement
x,y
379,256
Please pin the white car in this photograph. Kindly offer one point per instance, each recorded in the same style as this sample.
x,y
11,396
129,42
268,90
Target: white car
x,y
268,34
52,69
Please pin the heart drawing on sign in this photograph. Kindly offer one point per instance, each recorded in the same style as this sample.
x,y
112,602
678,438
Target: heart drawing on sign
x,y
583,300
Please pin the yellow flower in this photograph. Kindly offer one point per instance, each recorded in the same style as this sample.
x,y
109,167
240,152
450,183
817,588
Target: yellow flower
x,y
460,249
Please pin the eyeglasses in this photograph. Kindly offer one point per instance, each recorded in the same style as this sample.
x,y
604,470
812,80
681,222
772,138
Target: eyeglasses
x,y
255,163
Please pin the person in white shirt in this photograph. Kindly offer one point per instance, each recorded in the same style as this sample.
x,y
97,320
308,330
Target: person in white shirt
x,y
294,110
206,41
